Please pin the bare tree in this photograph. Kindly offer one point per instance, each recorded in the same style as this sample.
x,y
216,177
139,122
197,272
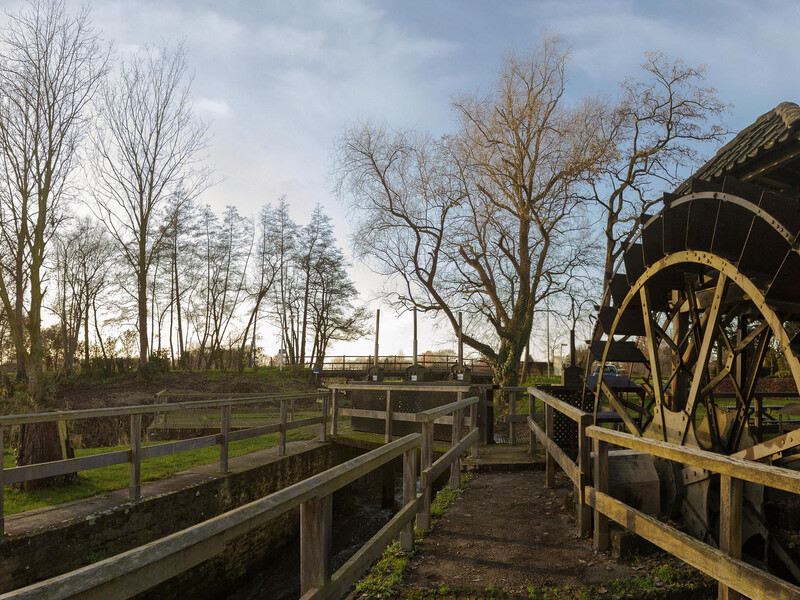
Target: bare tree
x,y
148,144
488,219
656,129
50,65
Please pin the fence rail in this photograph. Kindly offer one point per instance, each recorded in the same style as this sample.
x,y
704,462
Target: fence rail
x,y
724,564
137,452
121,576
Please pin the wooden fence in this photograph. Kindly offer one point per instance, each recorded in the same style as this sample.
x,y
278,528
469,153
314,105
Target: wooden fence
x,y
137,570
137,452
724,563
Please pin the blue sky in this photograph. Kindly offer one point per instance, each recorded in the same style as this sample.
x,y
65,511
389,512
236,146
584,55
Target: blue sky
x,y
279,80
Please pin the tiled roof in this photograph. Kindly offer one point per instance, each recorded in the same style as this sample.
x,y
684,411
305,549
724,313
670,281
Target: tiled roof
x,y
770,132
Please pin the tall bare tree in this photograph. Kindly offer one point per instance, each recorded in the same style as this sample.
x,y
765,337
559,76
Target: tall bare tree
x,y
50,65
148,146
486,220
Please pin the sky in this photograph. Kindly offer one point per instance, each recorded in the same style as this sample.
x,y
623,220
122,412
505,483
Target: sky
x,y
278,81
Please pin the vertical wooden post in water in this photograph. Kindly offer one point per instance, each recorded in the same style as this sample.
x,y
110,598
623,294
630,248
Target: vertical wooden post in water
x,y
388,434
512,410
425,461
730,526
582,509
334,412
224,434
409,493
315,543
282,431
600,485
550,463
2,479
135,488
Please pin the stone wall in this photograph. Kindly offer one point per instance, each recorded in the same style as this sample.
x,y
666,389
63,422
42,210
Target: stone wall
x,y
32,557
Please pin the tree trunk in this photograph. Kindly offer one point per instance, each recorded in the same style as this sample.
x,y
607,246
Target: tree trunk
x,y
142,285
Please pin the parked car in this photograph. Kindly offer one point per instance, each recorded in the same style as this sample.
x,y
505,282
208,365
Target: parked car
x,y
608,370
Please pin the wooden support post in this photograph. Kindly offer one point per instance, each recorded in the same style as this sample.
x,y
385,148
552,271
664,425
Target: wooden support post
x,y
334,413
730,526
315,543
2,479
282,431
324,436
455,466
473,424
550,463
63,438
225,432
582,510
601,485
532,415
512,410
425,461
387,438
409,493
135,488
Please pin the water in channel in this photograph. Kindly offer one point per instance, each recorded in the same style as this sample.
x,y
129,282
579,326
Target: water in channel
x,y
357,516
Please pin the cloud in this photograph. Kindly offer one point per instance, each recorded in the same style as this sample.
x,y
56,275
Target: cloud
x,y
213,108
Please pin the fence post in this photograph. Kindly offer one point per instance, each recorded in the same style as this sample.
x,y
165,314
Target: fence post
x,y
730,526
388,437
425,461
455,466
324,437
409,493
315,543
334,413
282,431
2,479
532,415
550,463
512,410
135,488
582,510
600,485
473,424
225,432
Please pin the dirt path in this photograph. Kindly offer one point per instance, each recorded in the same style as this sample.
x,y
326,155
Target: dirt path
x,y
509,531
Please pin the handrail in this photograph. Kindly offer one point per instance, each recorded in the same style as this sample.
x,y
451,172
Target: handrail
x,y
93,413
400,387
430,415
120,576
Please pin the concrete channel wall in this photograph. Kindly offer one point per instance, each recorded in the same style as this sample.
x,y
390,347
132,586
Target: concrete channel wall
x,y
38,555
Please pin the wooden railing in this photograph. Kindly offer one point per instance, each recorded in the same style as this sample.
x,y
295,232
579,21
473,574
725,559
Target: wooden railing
x,y
724,563
123,576
137,452
439,363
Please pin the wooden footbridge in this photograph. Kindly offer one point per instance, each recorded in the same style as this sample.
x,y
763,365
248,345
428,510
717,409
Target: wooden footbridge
x,y
123,576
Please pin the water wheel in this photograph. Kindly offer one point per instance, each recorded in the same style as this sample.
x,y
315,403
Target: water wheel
x,y
710,285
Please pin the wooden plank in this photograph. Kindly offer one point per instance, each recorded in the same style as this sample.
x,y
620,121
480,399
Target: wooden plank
x,y
316,542
770,447
324,435
179,446
754,472
583,510
387,433
95,413
409,495
441,411
353,569
224,434
733,572
730,526
455,465
601,485
570,411
252,432
63,467
121,576
425,461
549,461
473,426
559,456
300,423
430,474
446,389
282,430
334,413
516,419
135,487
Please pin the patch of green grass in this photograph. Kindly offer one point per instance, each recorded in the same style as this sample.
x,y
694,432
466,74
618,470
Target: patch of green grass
x,y
387,574
101,481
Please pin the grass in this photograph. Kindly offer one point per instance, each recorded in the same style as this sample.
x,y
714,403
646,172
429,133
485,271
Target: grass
x,y
101,481
387,574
